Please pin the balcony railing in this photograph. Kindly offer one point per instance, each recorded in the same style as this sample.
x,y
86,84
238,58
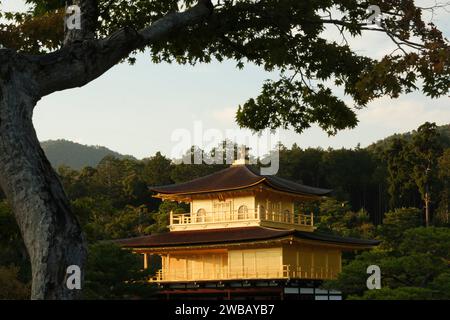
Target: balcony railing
x,y
282,272
236,216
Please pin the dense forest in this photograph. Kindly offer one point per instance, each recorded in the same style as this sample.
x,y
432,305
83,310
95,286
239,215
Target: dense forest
x,y
379,192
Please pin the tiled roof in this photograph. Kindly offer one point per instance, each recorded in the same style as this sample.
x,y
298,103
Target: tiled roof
x,y
230,235
237,177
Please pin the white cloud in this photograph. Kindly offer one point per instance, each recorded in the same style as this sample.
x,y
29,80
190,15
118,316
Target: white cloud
x,y
16,5
406,113
225,116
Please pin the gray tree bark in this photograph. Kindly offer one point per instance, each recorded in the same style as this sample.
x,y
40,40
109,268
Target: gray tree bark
x,y
51,233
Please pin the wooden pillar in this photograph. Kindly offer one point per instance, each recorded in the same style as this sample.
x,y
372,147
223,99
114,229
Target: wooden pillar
x,y
280,212
145,261
203,266
168,264
292,211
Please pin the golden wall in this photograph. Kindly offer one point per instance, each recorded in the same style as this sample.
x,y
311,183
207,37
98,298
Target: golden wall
x,y
312,262
270,202
231,204
195,266
274,203
287,261
256,263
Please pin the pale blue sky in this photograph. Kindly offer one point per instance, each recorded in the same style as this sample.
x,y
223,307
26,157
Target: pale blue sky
x,y
135,109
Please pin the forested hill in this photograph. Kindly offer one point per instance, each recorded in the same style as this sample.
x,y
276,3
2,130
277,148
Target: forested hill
x,y
75,155
444,136
63,152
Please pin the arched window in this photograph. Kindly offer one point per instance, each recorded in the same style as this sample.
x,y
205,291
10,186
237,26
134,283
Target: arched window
x,y
286,215
201,215
242,212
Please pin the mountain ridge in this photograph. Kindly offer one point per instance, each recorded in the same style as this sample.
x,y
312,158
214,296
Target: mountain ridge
x,y
62,152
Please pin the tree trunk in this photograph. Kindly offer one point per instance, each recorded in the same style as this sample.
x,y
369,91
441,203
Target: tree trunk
x,y
427,208
51,233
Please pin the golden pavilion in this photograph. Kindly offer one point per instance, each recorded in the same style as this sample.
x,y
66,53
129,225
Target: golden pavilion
x,y
243,238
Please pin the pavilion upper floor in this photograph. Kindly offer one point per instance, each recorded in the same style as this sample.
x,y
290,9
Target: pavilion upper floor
x,y
242,209
239,196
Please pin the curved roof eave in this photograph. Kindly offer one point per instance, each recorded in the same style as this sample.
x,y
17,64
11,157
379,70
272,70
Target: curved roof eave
x,y
235,178
238,235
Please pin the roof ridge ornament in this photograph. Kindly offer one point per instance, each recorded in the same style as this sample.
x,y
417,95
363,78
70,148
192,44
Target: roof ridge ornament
x,y
243,157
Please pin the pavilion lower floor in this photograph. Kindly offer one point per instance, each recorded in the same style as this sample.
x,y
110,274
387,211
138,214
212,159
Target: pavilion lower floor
x,y
243,263
275,261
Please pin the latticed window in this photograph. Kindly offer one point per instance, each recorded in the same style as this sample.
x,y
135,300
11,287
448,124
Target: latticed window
x,y
275,213
222,206
222,210
262,211
286,215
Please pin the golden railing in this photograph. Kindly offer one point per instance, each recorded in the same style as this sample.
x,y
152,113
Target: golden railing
x,y
228,216
300,219
283,272
236,216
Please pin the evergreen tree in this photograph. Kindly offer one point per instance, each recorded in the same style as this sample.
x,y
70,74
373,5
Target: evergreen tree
x,y
426,149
